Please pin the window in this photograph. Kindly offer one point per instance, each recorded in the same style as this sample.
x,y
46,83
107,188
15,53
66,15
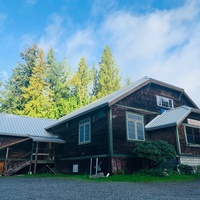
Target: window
x,y
193,135
164,102
135,127
84,131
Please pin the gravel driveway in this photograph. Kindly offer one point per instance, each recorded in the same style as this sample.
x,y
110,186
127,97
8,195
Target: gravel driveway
x,y
50,188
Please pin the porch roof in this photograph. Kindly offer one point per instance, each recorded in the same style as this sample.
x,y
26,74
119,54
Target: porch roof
x,y
47,139
171,117
22,126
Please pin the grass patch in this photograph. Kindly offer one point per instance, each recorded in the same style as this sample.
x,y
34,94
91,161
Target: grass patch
x,y
138,177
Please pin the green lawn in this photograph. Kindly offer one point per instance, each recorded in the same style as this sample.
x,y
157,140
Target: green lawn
x,y
174,177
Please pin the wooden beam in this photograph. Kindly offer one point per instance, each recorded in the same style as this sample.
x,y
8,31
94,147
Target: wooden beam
x,y
13,143
36,156
31,159
6,161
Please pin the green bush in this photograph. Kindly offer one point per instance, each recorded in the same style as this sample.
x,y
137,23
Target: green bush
x,y
154,152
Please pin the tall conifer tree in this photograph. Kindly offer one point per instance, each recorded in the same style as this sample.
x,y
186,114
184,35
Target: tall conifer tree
x,y
58,76
107,77
81,82
13,100
38,94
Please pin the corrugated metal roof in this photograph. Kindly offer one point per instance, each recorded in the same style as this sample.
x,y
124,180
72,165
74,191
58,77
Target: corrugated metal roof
x,y
100,102
16,125
169,118
115,97
111,99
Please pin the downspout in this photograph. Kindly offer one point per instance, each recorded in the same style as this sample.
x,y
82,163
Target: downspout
x,y
178,143
110,139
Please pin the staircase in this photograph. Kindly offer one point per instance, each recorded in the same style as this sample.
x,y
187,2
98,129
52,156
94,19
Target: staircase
x,y
16,168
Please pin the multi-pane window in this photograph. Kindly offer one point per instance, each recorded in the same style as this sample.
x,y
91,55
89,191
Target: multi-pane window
x,y
193,135
84,131
135,127
164,102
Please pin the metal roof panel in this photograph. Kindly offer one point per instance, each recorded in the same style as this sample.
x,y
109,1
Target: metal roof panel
x,y
169,118
23,126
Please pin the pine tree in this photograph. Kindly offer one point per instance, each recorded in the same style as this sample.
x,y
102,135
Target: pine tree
x,y
58,76
107,79
82,81
38,94
13,99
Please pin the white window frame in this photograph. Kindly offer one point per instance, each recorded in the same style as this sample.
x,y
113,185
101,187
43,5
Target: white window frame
x,y
135,127
162,101
186,135
82,126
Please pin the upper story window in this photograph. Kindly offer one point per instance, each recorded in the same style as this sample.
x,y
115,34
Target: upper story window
x,y
135,127
84,131
164,102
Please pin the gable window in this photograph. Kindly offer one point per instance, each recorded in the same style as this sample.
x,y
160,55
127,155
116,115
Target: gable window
x,y
193,135
84,131
164,102
135,127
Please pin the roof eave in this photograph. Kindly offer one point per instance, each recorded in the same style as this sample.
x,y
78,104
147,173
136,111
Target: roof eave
x,y
78,115
160,127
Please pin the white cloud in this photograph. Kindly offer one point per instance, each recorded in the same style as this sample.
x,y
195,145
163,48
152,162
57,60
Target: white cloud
x,y
81,44
53,33
161,44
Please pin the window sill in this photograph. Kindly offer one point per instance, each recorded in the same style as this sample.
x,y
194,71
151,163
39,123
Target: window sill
x,y
193,145
82,143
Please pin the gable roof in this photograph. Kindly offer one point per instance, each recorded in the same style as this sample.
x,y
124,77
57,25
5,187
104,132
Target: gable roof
x,y
170,118
22,126
114,97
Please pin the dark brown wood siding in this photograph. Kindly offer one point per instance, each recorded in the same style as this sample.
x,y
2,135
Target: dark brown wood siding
x,y
167,134
145,98
121,145
143,102
99,137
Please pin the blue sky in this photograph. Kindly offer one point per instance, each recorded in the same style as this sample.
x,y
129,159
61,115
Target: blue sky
x,y
155,38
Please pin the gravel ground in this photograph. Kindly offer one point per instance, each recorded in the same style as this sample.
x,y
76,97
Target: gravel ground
x,y
49,188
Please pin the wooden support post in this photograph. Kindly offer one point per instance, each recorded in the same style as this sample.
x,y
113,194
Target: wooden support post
x,y
90,166
6,161
31,159
36,156
96,166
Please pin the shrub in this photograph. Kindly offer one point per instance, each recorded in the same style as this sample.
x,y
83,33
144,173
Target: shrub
x,y
154,152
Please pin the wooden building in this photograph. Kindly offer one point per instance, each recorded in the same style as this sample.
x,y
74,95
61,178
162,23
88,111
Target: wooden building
x,y
25,145
103,133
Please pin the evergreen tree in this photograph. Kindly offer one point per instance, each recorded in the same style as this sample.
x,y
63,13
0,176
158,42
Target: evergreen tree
x,y
81,81
107,78
58,76
38,94
13,100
